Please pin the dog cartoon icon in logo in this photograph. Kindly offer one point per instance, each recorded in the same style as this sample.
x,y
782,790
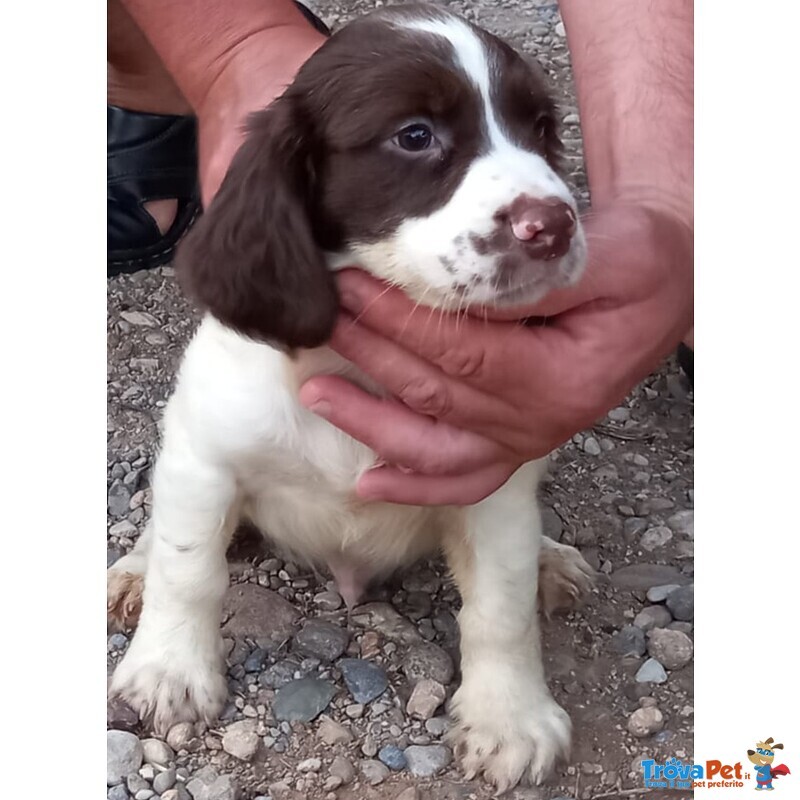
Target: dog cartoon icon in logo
x,y
762,757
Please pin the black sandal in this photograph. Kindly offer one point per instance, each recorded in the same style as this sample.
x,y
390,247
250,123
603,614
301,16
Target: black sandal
x,y
153,157
150,157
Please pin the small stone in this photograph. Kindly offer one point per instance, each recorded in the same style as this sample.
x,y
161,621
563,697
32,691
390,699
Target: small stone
x,y
410,793
147,771
370,644
365,680
164,780
120,716
255,661
373,771
322,640
310,765
561,31
651,672
369,747
428,660
437,726
681,603
354,710
619,414
652,617
332,783
123,528
328,601
341,768
259,613
302,700
123,756
241,740
552,524
653,538
118,792
683,627
591,446
223,788
428,695
156,752
383,618
393,757
180,734
672,648
113,554
645,576
136,783
144,794
332,732
425,761
682,522
645,721
119,496
629,641
658,594
140,318
279,674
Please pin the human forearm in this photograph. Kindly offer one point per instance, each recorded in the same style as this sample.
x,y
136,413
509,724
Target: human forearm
x,y
205,42
633,64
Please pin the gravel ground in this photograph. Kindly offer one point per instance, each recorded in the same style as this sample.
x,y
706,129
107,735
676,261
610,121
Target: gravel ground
x,y
323,706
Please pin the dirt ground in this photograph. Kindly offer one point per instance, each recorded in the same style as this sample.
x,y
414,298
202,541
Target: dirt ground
x,y
622,492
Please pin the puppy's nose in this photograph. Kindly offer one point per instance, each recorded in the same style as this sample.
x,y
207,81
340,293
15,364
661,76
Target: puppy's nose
x,y
544,224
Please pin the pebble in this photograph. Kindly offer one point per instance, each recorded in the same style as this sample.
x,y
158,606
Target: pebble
x,y
633,526
370,645
393,757
365,680
672,648
428,695
259,613
123,756
437,726
139,318
409,793
652,617
653,538
373,771
658,594
164,780
645,576
310,765
681,603
118,792
241,740
180,734
223,788
341,768
144,794
119,496
645,721
328,601
113,554
561,30
278,675
332,732
157,752
591,446
682,522
619,414
684,627
428,660
123,528
354,710
629,641
385,619
651,672
369,747
255,661
136,783
427,760
117,641
323,640
302,700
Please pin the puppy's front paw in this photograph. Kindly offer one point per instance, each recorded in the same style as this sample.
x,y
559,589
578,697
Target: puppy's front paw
x,y
508,729
564,577
166,686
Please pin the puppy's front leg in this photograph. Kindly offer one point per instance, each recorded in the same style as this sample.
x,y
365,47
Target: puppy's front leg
x,y
174,668
509,726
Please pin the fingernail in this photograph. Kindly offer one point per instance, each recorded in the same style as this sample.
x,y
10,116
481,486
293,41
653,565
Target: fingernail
x,y
322,408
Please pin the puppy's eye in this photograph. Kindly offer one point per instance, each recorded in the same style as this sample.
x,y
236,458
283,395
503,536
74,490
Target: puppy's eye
x,y
414,138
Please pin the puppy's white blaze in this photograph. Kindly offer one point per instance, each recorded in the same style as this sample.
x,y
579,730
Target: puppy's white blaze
x,y
474,60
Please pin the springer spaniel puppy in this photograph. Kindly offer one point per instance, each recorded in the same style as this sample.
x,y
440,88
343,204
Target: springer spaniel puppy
x,y
423,149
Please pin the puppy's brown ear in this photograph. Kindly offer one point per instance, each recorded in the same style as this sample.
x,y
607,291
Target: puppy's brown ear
x,y
251,259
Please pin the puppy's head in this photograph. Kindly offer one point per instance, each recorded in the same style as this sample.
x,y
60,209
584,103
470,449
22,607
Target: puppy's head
x,y
412,144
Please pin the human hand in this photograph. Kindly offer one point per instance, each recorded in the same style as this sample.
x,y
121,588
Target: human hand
x,y
473,399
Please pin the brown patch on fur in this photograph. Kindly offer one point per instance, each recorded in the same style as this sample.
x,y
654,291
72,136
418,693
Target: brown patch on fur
x,y
565,579
123,599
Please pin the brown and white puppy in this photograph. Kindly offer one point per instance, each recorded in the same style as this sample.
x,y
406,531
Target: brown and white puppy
x,y
424,149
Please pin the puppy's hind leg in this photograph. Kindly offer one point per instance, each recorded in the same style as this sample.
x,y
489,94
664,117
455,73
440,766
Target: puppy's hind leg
x,y
173,669
125,584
